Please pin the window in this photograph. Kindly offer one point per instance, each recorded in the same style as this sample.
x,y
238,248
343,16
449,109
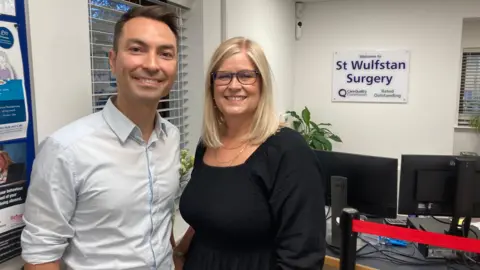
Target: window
x,y
469,102
102,16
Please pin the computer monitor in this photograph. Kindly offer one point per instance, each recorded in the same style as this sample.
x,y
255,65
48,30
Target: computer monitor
x,y
441,185
372,181
366,183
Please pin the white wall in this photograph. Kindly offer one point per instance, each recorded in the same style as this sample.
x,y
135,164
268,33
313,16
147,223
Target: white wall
x,y
271,23
60,61
466,139
204,35
203,29
426,123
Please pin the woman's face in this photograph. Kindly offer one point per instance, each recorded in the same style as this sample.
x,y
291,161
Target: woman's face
x,y
237,87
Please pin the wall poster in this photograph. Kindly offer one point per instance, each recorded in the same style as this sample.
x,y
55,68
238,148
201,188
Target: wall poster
x,y
17,137
13,160
13,105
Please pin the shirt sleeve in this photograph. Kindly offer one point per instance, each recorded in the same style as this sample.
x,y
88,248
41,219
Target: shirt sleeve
x,y
49,206
298,206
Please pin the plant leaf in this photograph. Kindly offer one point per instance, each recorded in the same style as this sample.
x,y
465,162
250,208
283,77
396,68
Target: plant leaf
x,y
296,125
315,127
324,124
317,145
327,131
335,138
306,116
295,115
324,141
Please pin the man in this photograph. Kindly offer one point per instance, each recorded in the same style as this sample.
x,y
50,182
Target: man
x,y
102,188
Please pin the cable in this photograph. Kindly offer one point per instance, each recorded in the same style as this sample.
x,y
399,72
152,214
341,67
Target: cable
x,y
388,257
394,256
441,221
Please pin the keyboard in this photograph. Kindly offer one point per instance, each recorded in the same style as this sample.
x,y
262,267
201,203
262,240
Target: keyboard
x,y
396,222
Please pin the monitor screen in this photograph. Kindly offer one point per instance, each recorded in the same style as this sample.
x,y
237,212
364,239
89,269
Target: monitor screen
x,y
371,184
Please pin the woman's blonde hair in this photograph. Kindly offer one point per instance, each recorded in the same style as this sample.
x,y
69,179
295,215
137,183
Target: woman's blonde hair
x,y
265,121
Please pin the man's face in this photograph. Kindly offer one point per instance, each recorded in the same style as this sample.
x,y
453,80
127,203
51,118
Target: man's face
x,y
145,64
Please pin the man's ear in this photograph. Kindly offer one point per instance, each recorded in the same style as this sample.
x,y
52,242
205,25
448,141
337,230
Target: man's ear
x,y
112,56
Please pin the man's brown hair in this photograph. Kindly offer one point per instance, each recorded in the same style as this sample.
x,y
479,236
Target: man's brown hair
x,y
154,12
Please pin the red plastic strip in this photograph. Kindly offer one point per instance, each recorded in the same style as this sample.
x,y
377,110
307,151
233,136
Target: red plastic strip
x,y
417,236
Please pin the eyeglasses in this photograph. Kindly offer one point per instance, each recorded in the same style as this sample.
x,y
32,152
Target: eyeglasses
x,y
246,77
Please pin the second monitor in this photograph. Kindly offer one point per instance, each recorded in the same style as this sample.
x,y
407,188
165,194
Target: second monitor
x,y
441,185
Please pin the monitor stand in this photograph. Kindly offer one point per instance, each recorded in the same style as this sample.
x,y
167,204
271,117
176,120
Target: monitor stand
x,y
339,195
464,196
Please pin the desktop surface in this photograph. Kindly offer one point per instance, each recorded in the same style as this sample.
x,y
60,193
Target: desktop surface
x,y
401,258
438,225
382,257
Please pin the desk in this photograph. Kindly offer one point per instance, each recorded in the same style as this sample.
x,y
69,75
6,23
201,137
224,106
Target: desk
x,y
401,258
382,257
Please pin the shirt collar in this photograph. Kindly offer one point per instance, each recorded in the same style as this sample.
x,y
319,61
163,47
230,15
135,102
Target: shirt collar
x,y
122,126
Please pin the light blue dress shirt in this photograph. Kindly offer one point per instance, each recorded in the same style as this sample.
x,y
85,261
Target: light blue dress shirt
x,y
102,198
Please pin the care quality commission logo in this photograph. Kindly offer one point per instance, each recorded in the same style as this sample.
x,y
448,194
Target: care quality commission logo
x,y
351,92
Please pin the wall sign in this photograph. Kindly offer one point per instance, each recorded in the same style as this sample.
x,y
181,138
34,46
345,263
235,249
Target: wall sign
x,y
371,76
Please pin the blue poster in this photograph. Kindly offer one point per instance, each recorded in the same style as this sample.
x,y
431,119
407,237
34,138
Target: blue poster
x,y
13,191
13,105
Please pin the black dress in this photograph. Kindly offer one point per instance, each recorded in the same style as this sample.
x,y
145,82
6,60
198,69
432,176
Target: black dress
x,y
267,213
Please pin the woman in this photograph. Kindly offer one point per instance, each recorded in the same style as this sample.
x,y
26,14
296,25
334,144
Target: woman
x,y
255,199
5,162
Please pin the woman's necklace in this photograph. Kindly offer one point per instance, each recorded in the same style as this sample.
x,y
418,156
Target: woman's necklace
x,y
235,147
230,162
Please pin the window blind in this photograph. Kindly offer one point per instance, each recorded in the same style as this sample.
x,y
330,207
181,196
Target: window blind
x,y
469,101
102,17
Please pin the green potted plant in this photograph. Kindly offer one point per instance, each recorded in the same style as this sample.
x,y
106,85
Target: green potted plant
x,y
186,167
474,122
318,136
186,161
